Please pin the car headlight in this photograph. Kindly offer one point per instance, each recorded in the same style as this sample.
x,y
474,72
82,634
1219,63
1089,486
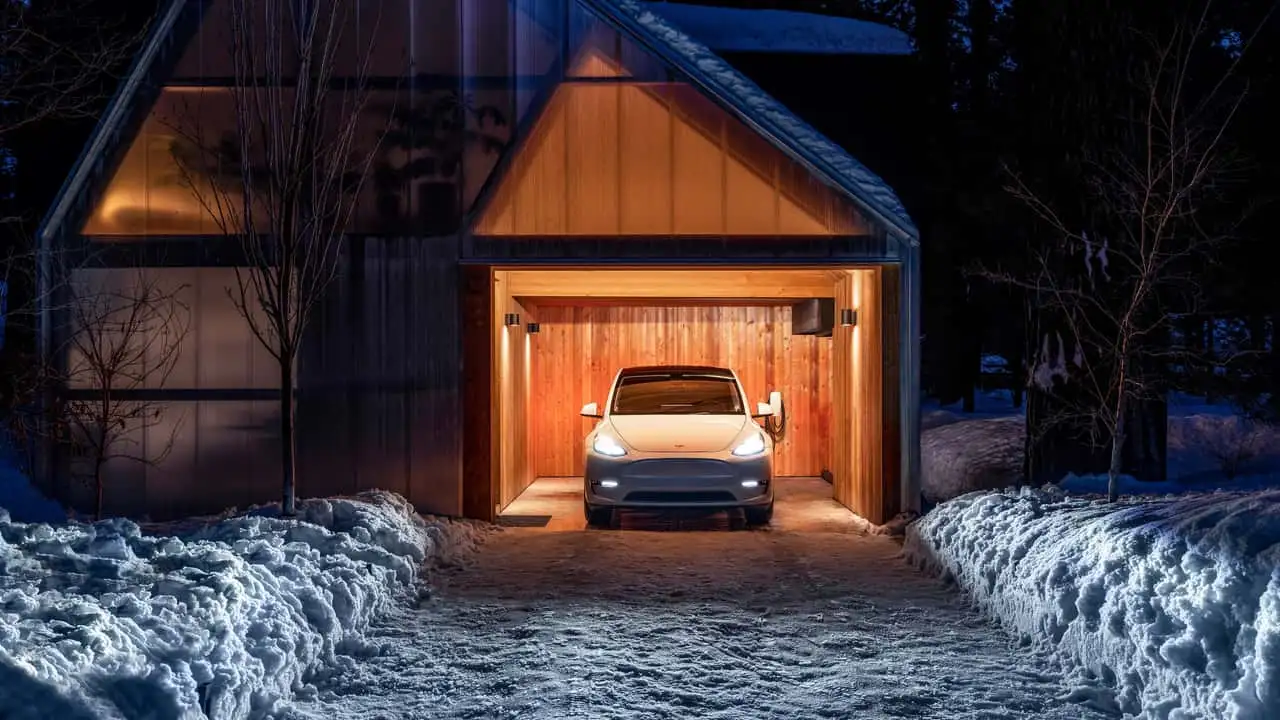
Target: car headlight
x,y
606,445
753,445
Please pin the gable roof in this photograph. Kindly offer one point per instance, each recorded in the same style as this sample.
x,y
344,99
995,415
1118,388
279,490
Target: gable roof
x,y
755,107
707,70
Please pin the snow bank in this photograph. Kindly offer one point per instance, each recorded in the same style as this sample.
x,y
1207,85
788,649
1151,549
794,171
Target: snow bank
x,y
961,457
726,29
223,621
19,497
1160,608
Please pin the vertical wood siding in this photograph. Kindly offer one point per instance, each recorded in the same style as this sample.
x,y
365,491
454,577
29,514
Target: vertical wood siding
x,y
652,160
512,383
865,480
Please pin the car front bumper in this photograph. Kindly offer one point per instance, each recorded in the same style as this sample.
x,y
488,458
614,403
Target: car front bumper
x,y
669,482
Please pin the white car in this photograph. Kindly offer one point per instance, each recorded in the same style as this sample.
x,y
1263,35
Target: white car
x,y
678,437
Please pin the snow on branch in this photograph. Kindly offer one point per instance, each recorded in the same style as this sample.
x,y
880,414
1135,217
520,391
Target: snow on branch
x,y
1104,284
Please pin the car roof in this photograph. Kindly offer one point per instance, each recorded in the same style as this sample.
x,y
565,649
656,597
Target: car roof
x,y
677,370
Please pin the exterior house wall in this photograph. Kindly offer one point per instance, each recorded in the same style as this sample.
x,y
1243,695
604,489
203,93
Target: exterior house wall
x,y
386,386
378,402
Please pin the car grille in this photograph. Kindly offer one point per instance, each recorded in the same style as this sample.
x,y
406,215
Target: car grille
x,y
708,469
676,496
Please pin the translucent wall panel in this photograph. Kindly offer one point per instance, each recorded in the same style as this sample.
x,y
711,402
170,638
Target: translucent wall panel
x,y
655,159
510,54
209,53
215,348
538,25
200,457
163,186
158,188
389,34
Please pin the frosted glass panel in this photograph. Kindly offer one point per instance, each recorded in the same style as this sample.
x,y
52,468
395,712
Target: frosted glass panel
x,y
161,186
215,348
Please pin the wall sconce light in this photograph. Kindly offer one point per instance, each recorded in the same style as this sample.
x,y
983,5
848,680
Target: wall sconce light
x,y
848,317
533,328
512,319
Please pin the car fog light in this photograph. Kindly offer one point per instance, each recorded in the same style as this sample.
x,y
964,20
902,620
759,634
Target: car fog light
x,y
609,483
750,483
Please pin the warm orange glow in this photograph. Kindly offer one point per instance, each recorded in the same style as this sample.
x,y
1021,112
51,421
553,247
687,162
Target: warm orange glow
x,y
151,193
654,159
592,63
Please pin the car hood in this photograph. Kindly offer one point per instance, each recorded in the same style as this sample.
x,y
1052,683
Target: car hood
x,y
678,433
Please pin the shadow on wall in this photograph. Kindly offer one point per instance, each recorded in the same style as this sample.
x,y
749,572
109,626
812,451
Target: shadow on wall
x,y
224,454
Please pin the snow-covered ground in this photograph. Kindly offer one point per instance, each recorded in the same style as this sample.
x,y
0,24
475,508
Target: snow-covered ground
x,y
1159,607
1164,605
221,619
634,624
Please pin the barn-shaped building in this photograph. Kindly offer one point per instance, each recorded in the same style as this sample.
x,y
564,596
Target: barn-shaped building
x,y
570,187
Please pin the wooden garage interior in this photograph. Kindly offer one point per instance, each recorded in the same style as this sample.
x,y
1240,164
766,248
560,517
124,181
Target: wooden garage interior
x,y
840,392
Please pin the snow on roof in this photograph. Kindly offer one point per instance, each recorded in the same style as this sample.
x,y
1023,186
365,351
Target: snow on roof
x,y
769,116
783,31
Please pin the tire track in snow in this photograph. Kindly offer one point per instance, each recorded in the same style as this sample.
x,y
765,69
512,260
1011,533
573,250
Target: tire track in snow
x,y
626,624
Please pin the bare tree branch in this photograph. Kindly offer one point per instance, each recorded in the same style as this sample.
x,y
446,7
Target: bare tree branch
x,y
46,75
124,329
1142,243
285,178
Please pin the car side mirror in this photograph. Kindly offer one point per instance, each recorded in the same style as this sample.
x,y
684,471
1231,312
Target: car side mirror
x,y
763,410
591,410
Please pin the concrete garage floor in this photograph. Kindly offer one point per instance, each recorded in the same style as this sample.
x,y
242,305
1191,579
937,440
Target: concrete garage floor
x,y
802,505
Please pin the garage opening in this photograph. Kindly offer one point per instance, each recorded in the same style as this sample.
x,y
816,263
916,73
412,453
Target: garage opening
x,y
559,337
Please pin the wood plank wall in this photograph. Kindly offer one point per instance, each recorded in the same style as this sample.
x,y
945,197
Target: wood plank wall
x,y
512,353
858,447
616,159
580,349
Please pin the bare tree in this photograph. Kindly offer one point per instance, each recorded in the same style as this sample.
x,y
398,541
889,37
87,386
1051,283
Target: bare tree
x,y
285,181
56,57
124,334
1150,231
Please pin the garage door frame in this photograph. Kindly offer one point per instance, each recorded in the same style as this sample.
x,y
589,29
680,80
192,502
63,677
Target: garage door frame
x,y
876,488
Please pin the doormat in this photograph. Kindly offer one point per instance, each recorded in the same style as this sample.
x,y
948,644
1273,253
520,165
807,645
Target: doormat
x,y
524,520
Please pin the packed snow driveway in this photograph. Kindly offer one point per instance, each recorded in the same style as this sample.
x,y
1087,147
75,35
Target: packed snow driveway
x,y
628,624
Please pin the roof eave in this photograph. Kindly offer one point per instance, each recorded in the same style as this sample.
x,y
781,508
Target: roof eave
x,y
104,134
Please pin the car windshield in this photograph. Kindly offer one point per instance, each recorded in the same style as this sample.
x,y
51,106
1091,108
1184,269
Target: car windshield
x,y
677,395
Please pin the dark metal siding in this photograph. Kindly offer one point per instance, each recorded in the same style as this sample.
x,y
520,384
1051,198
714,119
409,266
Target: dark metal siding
x,y
379,402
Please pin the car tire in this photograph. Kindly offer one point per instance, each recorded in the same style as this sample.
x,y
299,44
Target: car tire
x,y
759,516
597,516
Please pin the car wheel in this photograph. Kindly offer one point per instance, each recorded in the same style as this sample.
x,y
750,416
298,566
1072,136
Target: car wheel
x,y
597,517
759,516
